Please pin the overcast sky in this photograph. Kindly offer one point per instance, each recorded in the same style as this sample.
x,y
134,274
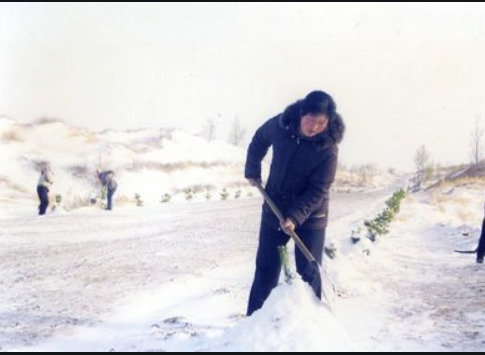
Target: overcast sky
x,y
403,75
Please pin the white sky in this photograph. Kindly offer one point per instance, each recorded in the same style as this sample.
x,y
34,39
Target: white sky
x,y
402,74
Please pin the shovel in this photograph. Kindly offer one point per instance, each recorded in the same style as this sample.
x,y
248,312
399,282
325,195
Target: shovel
x,y
312,274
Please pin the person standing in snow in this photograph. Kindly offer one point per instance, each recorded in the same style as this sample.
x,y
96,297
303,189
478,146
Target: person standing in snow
x,y
305,139
46,180
108,182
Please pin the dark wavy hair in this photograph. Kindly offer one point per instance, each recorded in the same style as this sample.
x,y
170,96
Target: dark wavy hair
x,y
319,102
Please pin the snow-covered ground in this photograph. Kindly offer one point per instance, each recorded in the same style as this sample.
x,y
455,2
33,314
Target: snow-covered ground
x,y
413,293
177,277
155,278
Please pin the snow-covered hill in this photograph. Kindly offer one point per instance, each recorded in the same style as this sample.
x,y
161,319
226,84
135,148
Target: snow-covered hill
x,y
150,163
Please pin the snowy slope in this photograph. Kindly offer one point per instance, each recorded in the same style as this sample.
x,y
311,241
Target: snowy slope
x,y
150,163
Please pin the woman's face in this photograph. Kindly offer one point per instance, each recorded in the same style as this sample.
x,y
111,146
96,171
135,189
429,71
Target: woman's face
x,y
313,124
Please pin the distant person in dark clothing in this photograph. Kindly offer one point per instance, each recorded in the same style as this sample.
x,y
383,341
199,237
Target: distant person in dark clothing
x,y
108,182
46,180
481,245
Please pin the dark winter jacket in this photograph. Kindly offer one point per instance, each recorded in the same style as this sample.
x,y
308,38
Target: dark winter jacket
x,y
107,179
302,169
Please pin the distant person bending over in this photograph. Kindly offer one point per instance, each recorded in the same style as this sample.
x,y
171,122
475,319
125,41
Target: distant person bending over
x,y
108,182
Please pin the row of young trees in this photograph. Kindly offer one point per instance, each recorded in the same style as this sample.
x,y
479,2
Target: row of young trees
x,y
191,194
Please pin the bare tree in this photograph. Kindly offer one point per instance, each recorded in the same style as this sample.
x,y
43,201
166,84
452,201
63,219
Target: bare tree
x,y
476,141
210,129
421,159
422,162
238,133
366,174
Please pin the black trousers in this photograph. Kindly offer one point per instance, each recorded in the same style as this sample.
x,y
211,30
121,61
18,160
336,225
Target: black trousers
x,y
268,264
481,245
111,193
43,193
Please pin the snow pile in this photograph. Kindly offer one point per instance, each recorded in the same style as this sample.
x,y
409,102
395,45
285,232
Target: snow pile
x,y
292,320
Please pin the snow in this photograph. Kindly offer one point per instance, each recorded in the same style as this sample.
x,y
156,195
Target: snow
x,y
150,163
176,276
290,321
96,280
413,293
